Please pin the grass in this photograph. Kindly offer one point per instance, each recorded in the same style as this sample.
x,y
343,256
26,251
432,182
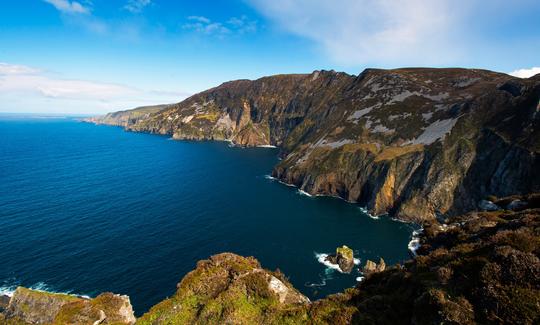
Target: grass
x,y
390,153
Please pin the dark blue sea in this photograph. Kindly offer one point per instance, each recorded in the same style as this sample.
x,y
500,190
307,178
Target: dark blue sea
x,y
86,209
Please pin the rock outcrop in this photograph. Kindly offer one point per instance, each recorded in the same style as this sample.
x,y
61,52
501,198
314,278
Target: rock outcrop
x,y
372,267
228,289
344,258
38,307
414,142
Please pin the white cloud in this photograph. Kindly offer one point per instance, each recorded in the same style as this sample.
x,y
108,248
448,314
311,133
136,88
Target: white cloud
x,y
367,31
27,84
14,69
525,73
69,7
136,6
204,25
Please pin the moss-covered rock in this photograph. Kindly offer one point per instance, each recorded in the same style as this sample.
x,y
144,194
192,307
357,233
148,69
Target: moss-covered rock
x,y
39,307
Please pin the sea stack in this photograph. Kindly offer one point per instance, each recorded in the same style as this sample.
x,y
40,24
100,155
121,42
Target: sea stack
x,y
344,258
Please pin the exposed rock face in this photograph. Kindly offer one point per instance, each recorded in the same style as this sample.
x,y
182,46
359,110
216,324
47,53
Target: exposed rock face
x,y
4,302
344,258
412,142
486,205
372,267
38,307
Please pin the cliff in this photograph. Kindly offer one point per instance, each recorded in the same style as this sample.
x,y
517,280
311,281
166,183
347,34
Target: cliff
x,y
128,117
481,267
413,142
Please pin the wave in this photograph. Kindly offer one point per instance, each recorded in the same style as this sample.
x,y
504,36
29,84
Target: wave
x,y
360,279
365,211
302,192
266,146
313,285
9,290
321,258
414,244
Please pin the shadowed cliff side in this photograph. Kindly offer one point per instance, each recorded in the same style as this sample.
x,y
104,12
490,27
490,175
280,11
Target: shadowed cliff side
x,y
413,142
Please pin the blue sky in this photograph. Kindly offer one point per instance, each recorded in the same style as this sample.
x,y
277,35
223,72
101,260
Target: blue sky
x,y
95,56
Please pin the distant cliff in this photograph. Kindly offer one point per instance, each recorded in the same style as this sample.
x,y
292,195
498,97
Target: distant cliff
x,y
413,142
478,268
128,117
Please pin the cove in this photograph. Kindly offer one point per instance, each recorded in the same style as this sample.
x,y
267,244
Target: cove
x,y
87,209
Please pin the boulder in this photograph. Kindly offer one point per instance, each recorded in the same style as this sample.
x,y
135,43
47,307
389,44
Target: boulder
x,y
344,258
4,302
486,205
517,205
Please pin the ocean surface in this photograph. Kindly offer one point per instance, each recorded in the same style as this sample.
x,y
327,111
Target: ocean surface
x,y
86,209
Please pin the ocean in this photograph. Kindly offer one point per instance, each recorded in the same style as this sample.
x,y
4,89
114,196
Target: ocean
x,y
88,208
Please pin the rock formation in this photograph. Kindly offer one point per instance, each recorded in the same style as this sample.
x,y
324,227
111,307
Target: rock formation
x,y
228,289
344,258
38,307
413,142
372,267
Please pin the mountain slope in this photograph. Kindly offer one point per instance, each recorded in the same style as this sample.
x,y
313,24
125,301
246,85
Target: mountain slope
x,y
414,142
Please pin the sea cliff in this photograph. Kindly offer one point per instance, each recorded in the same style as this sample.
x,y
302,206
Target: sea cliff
x,y
416,143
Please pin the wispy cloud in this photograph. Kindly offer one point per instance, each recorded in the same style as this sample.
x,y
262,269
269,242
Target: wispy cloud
x,y
362,31
526,73
28,83
234,25
15,69
69,7
136,6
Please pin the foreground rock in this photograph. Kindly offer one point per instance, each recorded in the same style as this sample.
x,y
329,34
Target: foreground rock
x,y
228,289
344,258
38,307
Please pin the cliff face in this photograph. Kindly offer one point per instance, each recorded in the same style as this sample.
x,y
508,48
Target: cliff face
x,y
128,117
413,142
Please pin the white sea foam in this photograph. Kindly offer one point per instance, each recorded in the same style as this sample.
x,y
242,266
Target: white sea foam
x,y
321,284
266,146
322,259
360,278
40,286
414,244
364,210
7,291
301,192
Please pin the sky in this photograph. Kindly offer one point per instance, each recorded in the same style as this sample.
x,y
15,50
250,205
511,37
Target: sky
x,y
97,56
